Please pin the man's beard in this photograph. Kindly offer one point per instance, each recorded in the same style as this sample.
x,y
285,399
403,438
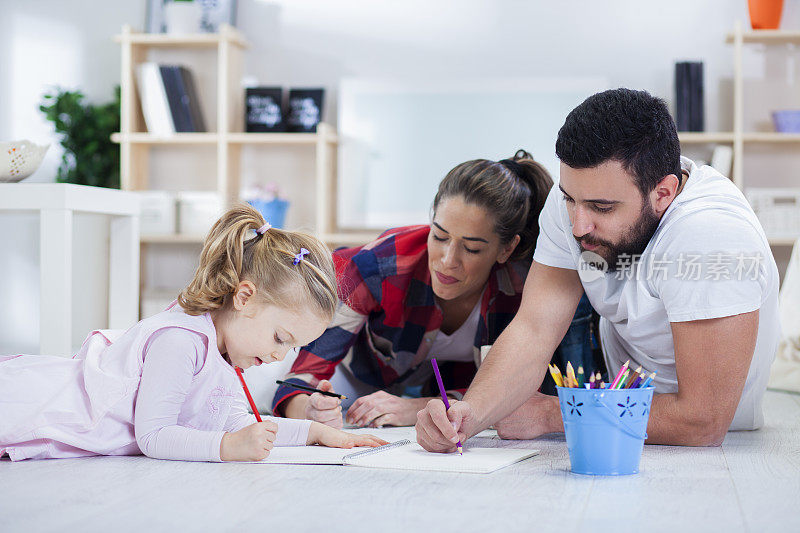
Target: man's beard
x,y
631,245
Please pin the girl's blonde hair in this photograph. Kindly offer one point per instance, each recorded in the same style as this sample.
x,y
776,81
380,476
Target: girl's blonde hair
x,y
232,252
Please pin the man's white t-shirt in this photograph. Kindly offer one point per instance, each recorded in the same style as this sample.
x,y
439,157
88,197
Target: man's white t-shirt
x,y
708,258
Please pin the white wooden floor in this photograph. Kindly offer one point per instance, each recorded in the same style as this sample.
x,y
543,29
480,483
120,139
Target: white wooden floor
x,y
751,483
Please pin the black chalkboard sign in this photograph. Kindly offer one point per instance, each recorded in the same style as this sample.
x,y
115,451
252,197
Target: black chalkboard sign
x,y
305,109
263,108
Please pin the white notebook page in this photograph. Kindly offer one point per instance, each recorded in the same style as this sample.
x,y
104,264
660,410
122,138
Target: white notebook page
x,y
411,456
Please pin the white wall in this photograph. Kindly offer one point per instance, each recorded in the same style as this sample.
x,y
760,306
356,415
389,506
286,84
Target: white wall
x,y
316,42
631,43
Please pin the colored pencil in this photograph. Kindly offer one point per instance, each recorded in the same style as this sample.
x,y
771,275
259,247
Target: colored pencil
x,y
311,389
556,375
623,380
571,375
622,370
444,395
646,382
581,377
634,378
247,393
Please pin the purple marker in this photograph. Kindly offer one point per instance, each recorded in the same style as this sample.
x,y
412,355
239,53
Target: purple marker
x,y
444,395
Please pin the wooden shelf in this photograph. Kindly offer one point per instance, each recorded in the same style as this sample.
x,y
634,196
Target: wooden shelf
x,y
233,138
175,238
178,138
279,138
702,137
771,137
767,37
197,40
782,241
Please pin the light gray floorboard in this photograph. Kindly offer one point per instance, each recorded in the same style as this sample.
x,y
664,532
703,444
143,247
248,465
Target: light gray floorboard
x,y
751,483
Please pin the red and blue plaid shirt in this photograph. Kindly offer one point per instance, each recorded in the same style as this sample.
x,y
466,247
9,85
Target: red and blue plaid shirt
x,y
387,317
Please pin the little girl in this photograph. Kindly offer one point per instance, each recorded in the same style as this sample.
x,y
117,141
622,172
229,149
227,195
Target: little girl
x,y
167,387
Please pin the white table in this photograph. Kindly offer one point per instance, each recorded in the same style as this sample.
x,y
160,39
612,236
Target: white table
x,y
750,483
56,204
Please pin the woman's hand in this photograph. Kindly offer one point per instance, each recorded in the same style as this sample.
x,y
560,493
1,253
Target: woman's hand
x,y
383,409
251,443
334,438
318,407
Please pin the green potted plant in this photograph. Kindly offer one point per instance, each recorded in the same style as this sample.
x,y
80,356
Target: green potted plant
x,y
90,157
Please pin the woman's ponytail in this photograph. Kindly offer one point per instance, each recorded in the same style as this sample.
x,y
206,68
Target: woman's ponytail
x,y
539,183
512,190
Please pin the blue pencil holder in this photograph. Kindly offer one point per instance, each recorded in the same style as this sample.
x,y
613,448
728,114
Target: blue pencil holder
x,y
605,429
273,211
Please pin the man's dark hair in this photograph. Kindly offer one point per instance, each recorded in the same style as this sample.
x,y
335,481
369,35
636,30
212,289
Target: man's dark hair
x,y
623,125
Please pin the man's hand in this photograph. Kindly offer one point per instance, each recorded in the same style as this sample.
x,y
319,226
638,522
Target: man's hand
x,y
440,429
537,416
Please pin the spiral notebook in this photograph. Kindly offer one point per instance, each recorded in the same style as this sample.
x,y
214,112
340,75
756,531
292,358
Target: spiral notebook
x,y
402,455
407,455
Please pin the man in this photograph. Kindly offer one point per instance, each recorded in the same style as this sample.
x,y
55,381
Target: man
x,y
673,259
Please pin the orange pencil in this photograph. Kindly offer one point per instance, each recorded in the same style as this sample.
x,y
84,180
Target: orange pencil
x,y
573,382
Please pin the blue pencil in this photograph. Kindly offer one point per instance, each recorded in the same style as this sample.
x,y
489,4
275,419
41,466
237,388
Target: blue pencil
x,y
647,382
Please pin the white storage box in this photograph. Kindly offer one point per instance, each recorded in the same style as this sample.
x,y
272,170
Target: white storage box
x,y
778,210
197,211
158,212
155,301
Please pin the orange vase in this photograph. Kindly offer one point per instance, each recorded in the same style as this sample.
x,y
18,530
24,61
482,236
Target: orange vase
x,y
765,14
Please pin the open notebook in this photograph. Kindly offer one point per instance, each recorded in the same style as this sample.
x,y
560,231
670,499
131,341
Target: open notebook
x,y
402,455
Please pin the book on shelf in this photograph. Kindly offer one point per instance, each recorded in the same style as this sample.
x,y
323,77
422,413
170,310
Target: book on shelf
x,y
169,98
153,97
190,95
689,113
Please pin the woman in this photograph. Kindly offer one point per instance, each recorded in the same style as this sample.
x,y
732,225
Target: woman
x,y
441,290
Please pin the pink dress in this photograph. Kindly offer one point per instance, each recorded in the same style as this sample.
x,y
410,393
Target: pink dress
x,y
161,388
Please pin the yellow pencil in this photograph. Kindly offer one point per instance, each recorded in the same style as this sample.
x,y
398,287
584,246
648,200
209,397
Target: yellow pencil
x,y
553,375
557,376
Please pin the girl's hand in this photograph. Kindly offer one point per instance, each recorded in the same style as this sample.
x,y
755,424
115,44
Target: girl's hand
x,y
334,438
252,443
384,409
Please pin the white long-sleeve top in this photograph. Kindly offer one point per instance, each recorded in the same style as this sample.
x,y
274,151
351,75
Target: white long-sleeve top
x,y
168,395
160,388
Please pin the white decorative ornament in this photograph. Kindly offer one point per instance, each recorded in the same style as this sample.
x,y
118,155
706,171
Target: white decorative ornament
x,y
20,159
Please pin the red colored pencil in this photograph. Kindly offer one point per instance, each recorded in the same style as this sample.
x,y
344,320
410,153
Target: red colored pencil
x,y
247,393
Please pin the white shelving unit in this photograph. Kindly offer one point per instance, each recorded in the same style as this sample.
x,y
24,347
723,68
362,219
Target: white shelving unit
x,y
739,138
229,138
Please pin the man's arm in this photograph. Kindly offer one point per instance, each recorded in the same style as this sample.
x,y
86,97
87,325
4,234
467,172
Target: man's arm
x,y
515,366
712,359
